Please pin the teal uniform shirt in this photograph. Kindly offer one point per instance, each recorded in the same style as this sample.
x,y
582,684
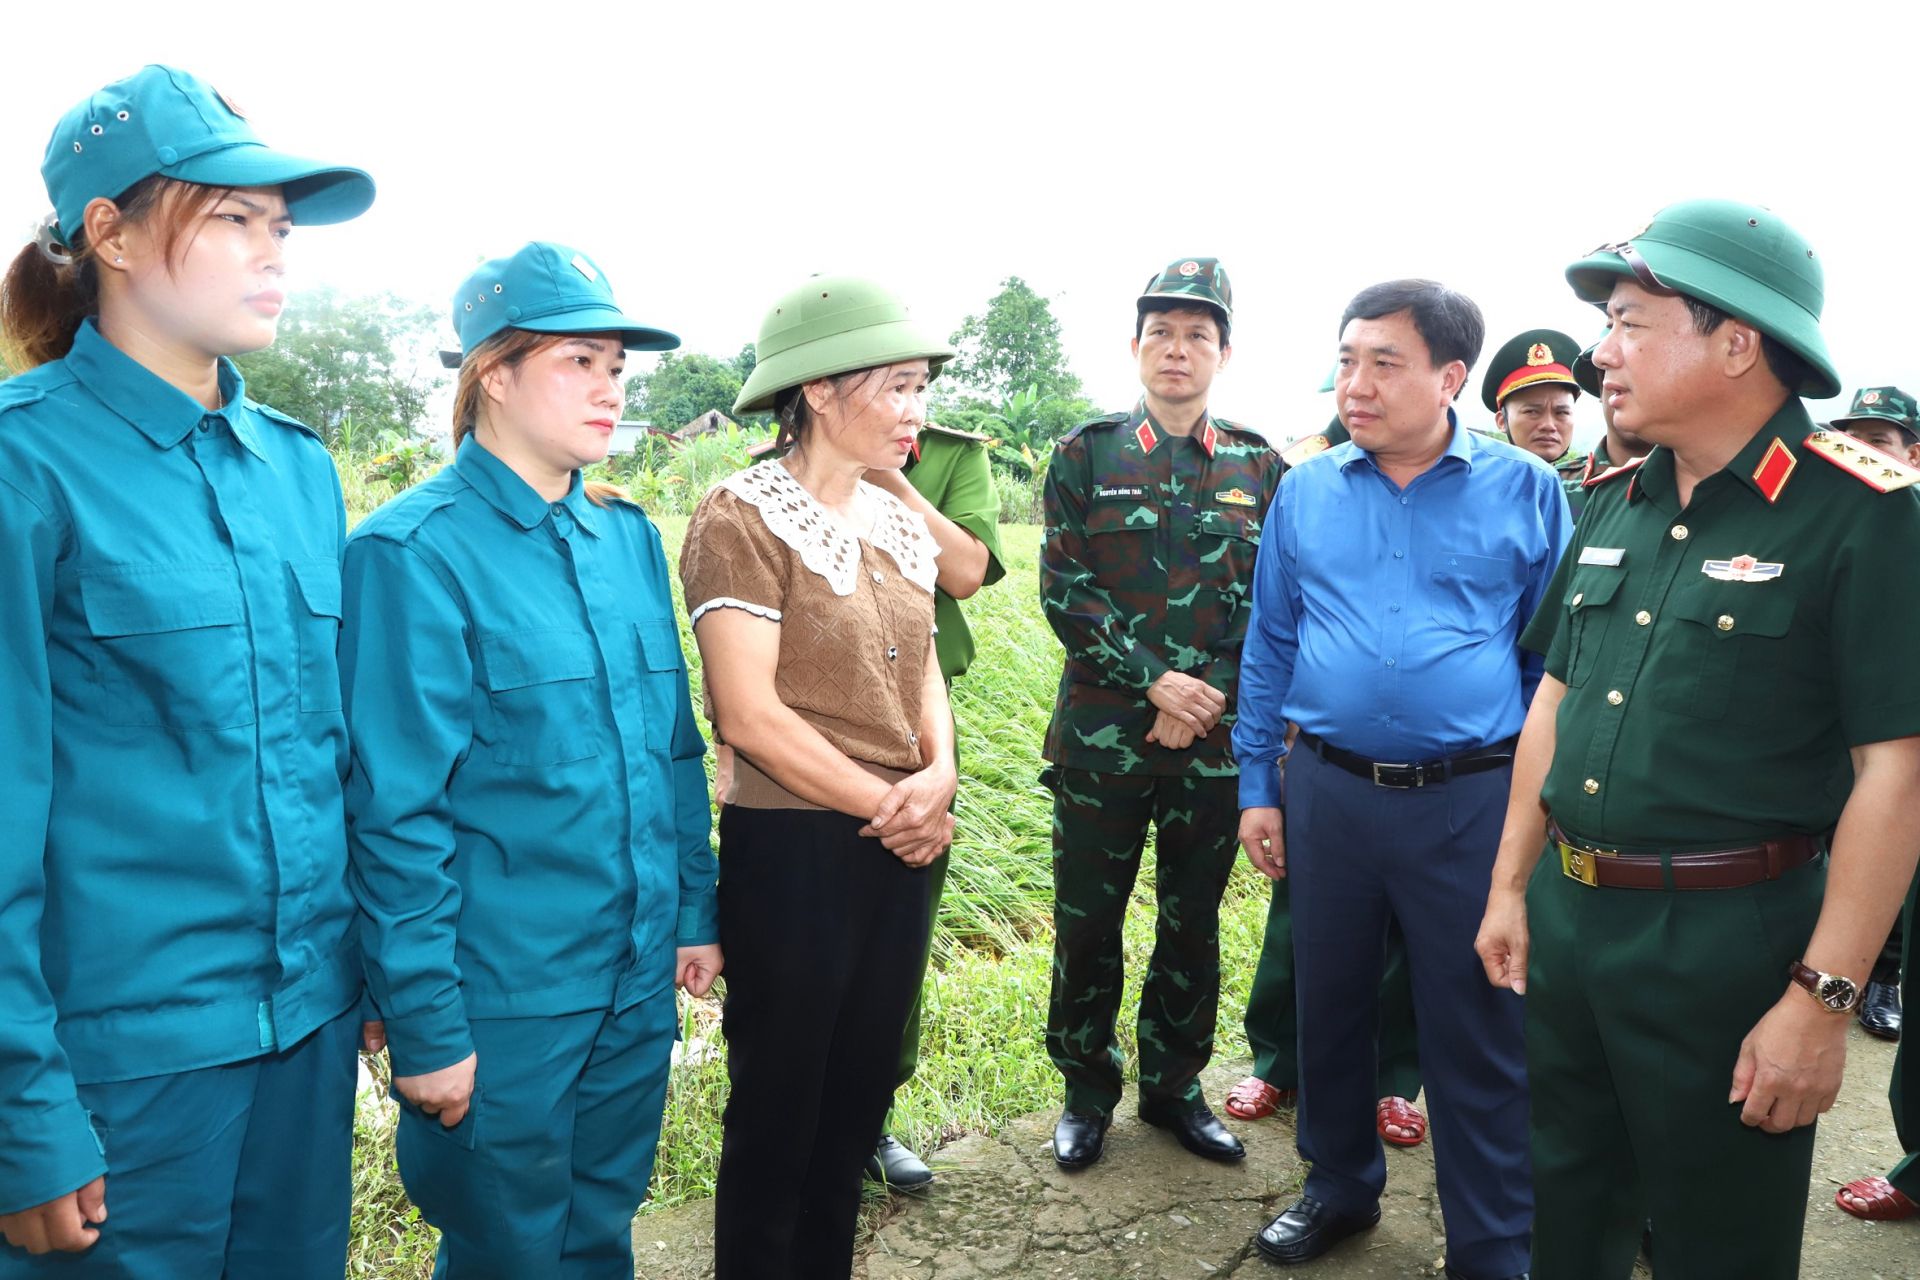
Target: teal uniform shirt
x,y
528,809
1711,655
172,859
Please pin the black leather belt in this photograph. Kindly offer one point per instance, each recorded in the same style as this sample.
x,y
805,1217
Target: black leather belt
x,y
1424,773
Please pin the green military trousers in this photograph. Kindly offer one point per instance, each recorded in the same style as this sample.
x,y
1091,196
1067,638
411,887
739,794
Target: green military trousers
x,y
1273,1021
1100,823
1904,1093
1637,1001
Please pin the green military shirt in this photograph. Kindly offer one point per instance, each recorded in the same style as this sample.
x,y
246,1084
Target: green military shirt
x,y
1147,567
1712,655
1575,472
950,470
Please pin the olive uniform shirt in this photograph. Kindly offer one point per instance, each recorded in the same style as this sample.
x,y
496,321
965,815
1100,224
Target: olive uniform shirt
x,y
1147,567
1712,656
950,470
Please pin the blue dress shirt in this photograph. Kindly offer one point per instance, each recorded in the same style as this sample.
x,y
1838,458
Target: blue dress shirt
x,y
1386,620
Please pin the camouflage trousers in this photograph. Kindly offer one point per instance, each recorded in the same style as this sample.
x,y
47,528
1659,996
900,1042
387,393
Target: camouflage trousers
x,y
1100,823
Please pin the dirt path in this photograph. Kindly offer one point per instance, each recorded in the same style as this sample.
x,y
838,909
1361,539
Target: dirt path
x,y
1149,1211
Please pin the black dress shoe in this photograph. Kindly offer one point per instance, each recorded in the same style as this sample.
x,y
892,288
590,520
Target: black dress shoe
x,y
1880,1010
1079,1139
894,1165
1308,1230
1197,1128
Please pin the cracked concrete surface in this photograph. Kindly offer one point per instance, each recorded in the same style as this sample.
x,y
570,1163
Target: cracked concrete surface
x,y
1149,1211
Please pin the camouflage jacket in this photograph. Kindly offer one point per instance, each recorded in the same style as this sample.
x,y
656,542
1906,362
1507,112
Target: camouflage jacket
x,y
1147,567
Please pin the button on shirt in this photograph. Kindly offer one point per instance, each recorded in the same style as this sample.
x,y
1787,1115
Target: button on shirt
x,y
1716,679
1385,620
528,810
172,857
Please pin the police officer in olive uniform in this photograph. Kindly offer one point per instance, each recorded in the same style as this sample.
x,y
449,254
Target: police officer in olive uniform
x,y
1530,390
1617,448
1694,940
1152,521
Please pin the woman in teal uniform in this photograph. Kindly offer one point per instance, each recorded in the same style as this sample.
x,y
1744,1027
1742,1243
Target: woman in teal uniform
x,y
528,807
178,981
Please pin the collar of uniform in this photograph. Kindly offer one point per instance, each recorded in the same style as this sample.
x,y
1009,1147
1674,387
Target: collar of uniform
x,y
1764,464
1459,445
513,497
160,411
1148,434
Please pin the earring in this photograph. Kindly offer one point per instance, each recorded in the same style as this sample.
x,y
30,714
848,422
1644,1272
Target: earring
x,y
120,260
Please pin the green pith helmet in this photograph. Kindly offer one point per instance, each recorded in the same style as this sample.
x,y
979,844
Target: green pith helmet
x,y
546,288
1884,404
1527,360
1333,376
1586,372
162,120
1188,282
829,325
1740,258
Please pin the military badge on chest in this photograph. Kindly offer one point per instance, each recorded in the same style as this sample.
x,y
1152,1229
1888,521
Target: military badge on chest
x,y
1742,569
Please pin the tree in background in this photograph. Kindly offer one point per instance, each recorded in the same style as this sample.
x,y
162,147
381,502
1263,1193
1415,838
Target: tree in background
x,y
683,386
359,370
1013,346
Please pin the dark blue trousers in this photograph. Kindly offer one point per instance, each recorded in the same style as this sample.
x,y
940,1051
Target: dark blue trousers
x,y
1355,853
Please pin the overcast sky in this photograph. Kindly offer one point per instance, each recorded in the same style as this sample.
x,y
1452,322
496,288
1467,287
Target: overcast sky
x,y
711,155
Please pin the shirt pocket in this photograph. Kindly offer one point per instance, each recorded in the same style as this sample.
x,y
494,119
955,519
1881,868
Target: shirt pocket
x,y
170,646
1732,645
1226,545
1590,608
316,619
1474,595
662,671
1122,539
542,687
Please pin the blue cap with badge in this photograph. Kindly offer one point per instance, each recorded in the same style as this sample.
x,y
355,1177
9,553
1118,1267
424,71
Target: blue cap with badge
x,y
162,120
545,288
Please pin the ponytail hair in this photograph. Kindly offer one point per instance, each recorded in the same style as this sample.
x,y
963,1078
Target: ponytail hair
x,y
43,301
508,349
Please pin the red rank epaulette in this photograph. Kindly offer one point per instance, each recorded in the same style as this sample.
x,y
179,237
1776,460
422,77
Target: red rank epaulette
x,y
1592,481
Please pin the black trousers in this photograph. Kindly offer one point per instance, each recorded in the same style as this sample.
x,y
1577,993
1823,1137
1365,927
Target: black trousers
x,y
822,933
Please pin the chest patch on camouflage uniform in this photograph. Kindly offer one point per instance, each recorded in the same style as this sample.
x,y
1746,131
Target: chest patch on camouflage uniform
x,y
1236,497
1119,492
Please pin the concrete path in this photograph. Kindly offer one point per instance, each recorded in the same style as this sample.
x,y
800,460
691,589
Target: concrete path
x,y
1150,1211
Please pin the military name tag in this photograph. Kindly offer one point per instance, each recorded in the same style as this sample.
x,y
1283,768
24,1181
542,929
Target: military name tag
x,y
1236,497
1608,556
1741,569
1103,492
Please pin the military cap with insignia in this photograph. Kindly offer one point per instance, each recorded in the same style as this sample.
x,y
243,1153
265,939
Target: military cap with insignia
x,y
1189,282
1883,404
1529,359
1740,258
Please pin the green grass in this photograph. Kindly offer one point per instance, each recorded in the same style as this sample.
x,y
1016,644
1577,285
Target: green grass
x,y
982,1058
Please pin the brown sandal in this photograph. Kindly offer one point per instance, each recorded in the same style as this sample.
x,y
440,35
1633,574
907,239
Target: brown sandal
x,y
1884,1201
1255,1099
1401,1114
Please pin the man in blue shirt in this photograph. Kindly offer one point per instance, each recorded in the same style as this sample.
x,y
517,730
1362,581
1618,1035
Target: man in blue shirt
x,y
1389,594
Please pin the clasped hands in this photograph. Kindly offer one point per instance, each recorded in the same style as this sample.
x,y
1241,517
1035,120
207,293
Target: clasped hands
x,y
1186,708
914,821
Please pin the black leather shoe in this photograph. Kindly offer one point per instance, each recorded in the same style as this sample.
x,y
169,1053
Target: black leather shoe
x,y
1461,1275
894,1165
1198,1130
1308,1230
1079,1139
1880,1010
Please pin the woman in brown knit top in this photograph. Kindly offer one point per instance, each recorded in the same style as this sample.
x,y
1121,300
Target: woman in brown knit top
x,y
811,594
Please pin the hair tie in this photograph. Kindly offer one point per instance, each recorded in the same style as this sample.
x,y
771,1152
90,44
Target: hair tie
x,y
51,243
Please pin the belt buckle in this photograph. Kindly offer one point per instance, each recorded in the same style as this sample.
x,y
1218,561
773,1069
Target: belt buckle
x,y
1578,864
1419,779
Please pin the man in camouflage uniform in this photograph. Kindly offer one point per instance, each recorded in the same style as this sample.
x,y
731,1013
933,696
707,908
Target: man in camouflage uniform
x,y
1152,521
1617,449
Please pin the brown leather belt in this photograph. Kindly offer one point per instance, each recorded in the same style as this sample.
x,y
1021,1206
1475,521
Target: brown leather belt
x,y
1705,869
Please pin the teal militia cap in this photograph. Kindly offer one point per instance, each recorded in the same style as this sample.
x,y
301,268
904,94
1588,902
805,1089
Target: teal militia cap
x,y
1740,258
1528,360
546,288
1190,281
162,120
829,325
1884,404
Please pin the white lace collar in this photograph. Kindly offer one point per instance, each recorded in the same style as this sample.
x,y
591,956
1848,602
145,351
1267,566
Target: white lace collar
x,y
826,548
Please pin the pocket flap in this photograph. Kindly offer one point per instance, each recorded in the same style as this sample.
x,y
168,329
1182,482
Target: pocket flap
x,y
1594,590
144,599
1749,609
319,585
536,655
1122,516
660,645
1221,524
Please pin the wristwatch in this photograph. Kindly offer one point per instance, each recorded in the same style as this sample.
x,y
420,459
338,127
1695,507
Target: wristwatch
x,y
1834,991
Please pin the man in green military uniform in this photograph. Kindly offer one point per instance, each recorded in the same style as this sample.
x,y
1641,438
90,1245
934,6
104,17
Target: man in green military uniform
x,y
1152,521
1530,390
1617,448
1726,786
1272,1022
